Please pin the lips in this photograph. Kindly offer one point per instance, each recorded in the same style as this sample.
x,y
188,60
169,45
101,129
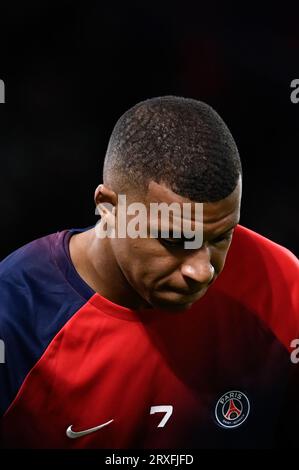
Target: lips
x,y
187,293
183,299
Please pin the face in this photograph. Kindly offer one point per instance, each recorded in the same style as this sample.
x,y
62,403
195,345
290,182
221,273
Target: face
x,y
161,270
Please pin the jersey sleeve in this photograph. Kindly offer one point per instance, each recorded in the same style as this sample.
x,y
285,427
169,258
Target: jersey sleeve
x,y
35,303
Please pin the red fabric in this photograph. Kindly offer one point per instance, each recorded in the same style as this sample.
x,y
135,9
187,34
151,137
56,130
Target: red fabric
x,y
109,362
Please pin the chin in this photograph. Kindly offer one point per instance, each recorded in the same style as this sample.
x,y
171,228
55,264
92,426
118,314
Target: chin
x,y
176,302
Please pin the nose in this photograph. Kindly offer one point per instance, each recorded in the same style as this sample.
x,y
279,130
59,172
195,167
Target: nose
x,y
199,267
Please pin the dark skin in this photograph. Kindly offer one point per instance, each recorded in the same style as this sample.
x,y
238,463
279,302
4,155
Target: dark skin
x,y
158,273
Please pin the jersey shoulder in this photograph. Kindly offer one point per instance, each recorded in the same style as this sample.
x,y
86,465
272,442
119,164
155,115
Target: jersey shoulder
x,y
247,242
35,303
261,266
263,276
29,279
28,261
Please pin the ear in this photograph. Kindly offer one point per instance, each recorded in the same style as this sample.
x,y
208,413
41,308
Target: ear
x,y
105,201
104,194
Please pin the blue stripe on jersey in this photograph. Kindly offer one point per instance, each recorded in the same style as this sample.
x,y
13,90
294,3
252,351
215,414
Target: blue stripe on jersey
x,y
40,290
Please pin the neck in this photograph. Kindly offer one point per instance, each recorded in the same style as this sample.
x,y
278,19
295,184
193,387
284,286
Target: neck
x,y
94,261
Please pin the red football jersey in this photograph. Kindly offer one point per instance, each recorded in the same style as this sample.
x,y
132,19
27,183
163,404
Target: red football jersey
x,y
83,372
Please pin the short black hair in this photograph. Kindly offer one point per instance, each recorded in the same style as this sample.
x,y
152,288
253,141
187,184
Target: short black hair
x,y
178,141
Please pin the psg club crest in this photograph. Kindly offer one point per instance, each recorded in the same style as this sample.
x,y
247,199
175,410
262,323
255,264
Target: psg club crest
x,y
232,409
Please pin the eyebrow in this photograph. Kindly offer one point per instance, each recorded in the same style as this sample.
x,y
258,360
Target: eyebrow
x,y
185,238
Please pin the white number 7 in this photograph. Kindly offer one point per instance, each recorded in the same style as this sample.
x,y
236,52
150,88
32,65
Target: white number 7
x,y
167,409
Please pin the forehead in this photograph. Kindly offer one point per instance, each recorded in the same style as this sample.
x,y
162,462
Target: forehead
x,y
217,216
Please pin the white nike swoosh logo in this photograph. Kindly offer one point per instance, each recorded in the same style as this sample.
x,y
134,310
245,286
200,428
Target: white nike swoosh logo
x,y
74,435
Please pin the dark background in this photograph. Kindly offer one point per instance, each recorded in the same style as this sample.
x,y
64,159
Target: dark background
x,y
71,70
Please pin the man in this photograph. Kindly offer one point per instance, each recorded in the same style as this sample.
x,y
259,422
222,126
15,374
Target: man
x,y
139,342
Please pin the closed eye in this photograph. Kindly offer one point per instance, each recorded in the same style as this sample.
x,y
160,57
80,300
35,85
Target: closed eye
x,y
179,242
173,242
222,238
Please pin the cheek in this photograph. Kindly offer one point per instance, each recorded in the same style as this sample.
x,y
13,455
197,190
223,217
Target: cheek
x,y
128,256
142,261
